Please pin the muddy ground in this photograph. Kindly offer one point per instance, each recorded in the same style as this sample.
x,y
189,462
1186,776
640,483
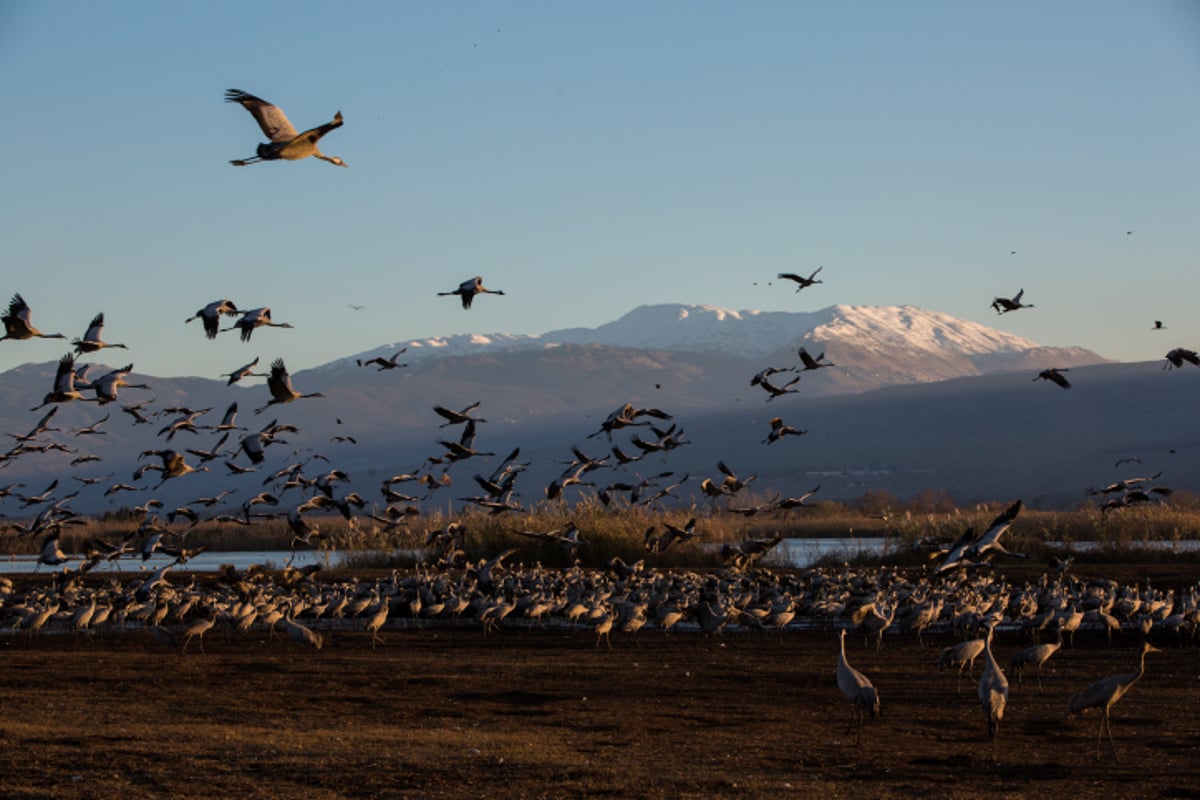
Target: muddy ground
x,y
531,713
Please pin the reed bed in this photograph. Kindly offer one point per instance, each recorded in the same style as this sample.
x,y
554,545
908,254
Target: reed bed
x,y
1147,533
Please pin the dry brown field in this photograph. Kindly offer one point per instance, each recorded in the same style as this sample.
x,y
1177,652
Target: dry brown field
x,y
528,712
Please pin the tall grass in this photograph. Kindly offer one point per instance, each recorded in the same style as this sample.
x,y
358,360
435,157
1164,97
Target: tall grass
x,y
617,532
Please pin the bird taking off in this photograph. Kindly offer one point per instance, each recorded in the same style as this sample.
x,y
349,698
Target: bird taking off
x,y
468,289
1004,304
801,281
1054,374
285,143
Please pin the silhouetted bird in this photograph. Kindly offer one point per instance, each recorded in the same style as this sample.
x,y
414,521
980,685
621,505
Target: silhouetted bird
x,y
1054,374
1003,304
801,281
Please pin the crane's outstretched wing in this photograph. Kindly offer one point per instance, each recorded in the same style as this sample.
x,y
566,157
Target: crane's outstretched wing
x,y
271,119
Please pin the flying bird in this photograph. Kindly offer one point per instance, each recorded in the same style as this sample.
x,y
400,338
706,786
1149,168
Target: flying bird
x,y
453,417
814,363
774,391
17,324
468,289
384,363
64,389
211,316
1003,304
766,372
1176,357
255,318
244,371
285,143
969,547
1054,374
108,384
91,341
280,384
1158,325
780,430
801,281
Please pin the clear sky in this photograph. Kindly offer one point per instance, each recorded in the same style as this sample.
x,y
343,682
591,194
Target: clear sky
x,y
588,158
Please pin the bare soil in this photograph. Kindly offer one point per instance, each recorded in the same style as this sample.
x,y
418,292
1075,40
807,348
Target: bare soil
x,y
532,713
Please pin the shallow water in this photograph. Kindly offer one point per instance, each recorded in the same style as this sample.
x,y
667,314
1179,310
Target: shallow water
x,y
793,552
798,553
209,561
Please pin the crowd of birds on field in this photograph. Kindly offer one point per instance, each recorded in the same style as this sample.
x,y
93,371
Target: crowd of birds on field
x,y
956,592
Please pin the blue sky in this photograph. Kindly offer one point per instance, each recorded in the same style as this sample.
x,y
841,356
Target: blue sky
x,y
588,158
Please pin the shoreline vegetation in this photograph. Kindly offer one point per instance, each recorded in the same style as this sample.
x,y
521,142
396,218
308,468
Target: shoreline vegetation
x,y
912,532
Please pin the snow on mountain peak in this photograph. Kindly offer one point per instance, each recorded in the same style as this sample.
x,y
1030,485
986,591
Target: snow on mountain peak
x,y
695,328
875,327
746,333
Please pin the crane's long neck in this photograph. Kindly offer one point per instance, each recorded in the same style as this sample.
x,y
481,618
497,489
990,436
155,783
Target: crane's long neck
x,y
1134,676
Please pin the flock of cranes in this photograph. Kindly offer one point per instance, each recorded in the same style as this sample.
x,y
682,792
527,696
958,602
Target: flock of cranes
x,y
617,597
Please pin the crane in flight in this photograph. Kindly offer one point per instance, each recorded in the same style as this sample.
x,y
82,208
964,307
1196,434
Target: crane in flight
x,y
453,417
108,384
17,324
255,318
468,289
244,371
91,341
280,384
64,389
1004,304
211,316
811,363
384,363
801,281
285,144
1054,374
1176,357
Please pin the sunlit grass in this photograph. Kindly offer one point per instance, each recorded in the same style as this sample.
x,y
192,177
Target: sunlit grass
x,y
610,532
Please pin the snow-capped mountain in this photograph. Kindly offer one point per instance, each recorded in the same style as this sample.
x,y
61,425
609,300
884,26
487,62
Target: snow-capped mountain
x,y
955,386
877,330
698,329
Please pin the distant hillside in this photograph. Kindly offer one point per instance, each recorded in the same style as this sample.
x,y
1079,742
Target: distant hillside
x,y
961,413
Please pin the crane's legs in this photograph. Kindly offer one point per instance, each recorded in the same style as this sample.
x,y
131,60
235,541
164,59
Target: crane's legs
x,y
241,162
1108,727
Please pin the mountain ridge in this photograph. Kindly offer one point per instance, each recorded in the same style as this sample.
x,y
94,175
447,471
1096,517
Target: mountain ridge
x,y
746,334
